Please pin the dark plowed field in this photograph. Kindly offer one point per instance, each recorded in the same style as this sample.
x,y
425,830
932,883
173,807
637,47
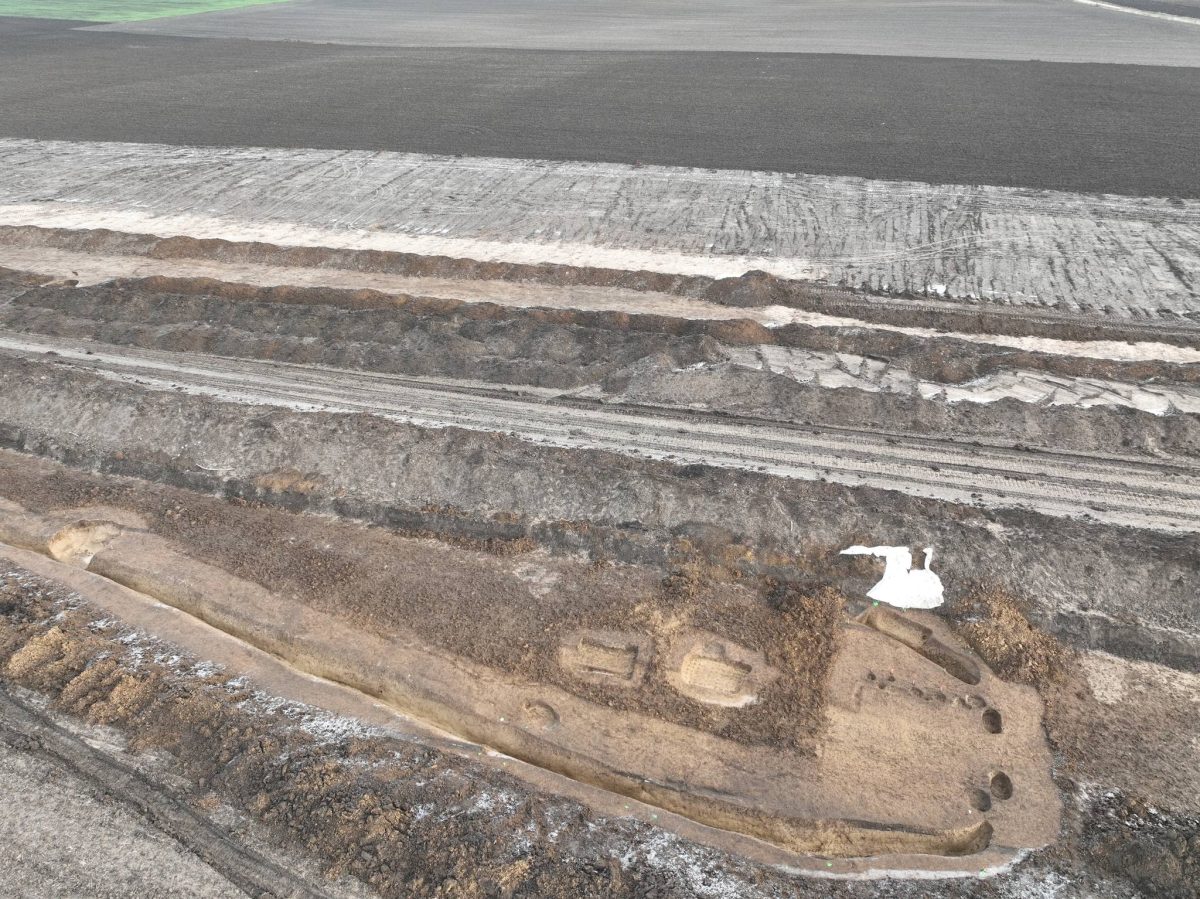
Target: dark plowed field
x,y
1081,127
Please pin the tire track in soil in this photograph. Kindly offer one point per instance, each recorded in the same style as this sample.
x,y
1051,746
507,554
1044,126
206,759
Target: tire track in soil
x,y
25,729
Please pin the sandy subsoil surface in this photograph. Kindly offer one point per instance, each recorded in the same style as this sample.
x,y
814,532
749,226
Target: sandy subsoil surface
x,y
401,817
700,637
905,237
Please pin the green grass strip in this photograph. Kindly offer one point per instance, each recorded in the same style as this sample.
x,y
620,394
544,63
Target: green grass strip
x,y
117,10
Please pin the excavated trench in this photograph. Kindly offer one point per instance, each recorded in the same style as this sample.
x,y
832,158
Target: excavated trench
x,y
487,486
756,791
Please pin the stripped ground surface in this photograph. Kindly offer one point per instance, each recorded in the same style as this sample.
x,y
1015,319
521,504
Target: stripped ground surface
x,y
1117,491
1188,9
965,242
594,728
60,838
96,804
116,10
410,814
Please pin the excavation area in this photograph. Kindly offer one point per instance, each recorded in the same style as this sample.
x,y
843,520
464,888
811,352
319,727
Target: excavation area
x,y
600,450
696,694
570,536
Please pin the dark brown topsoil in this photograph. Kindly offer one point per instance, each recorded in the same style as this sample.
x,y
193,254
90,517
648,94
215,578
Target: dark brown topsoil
x,y
996,625
1162,861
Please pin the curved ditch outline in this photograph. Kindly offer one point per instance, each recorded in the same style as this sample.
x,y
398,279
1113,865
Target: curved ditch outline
x,y
847,839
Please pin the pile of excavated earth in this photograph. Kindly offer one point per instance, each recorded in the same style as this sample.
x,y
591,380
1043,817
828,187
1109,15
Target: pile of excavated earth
x,y
368,569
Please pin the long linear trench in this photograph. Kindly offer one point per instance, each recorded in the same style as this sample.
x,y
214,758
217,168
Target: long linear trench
x,y
1121,491
344,685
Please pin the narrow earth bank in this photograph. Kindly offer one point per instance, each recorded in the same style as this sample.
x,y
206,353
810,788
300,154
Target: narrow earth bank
x,y
1141,602
317,266
835,376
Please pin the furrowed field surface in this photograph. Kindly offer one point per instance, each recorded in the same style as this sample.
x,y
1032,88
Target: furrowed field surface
x,y
117,10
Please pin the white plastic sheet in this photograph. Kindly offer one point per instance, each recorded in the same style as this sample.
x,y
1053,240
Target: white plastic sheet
x,y
902,585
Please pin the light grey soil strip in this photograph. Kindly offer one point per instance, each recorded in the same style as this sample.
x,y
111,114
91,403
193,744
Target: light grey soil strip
x,y
1003,245
983,29
1117,491
61,837
23,727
